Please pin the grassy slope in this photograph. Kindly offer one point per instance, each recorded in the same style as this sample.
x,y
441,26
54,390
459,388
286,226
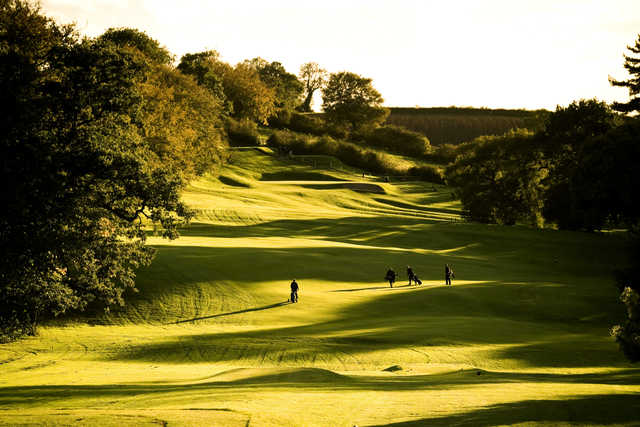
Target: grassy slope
x,y
210,340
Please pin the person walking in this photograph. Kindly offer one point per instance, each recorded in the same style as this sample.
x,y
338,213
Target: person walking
x,y
448,274
390,276
294,291
411,276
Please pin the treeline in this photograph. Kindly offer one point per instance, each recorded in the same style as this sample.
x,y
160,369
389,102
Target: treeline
x,y
454,125
576,174
97,137
350,154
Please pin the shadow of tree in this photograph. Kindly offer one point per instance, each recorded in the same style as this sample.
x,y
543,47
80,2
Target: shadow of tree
x,y
597,409
592,410
462,315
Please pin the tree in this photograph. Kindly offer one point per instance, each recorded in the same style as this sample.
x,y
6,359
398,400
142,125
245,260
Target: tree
x,y
313,78
208,70
349,99
251,98
499,179
179,120
139,40
567,132
287,87
77,175
246,95
632,65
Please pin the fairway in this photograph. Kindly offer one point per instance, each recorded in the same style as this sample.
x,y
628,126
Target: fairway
x,y
210,338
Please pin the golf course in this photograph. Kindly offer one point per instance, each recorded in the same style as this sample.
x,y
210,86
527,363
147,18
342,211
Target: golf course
x,y
210,338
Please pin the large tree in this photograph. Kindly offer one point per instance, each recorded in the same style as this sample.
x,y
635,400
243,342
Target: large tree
x,y
77,176
287,87
632,65
349,99
247,96
179,120
208,70
313,78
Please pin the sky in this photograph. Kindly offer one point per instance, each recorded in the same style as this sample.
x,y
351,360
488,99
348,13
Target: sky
x,y
432,53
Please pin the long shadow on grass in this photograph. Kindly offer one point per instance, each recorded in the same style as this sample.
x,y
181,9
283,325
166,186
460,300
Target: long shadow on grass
x,y
247,310
495,315
603,409
315,380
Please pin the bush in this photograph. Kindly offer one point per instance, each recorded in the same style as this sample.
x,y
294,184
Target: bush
x,y
443,154
242,133
398,140
427,173
287,141
306,123
348,153
280,120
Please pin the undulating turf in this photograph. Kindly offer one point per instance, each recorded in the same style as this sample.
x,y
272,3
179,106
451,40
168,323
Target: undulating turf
x,y
210,339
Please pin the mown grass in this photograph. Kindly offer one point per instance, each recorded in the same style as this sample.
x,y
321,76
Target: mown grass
x,y
210,339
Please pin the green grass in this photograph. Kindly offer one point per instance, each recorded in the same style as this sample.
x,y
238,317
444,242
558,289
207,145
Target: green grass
x,y
520,338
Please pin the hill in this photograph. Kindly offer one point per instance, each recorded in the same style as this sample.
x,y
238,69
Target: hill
x,y
521,337
452,125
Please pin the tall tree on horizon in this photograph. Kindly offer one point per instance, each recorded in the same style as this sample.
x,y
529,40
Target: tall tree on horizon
x,y
351,100
313,78
632,65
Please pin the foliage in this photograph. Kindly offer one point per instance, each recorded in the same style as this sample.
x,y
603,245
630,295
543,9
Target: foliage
x,y
242,132
287,87
500,180
78,174
245,94
575,173
313,78
455,125
396,139
348,153
566,141
139,40
208,71
579,120
632,65
627,335
349,99
179,120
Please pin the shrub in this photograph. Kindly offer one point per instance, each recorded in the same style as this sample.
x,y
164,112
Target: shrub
x,y
306,123
242,133
348,153
281,120
427,173
286,141
399,140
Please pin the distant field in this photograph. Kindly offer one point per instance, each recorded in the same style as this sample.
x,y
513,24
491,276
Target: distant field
x,y
454,125
520,338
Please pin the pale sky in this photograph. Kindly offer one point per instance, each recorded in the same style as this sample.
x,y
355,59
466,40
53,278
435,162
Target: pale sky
x,y
482,53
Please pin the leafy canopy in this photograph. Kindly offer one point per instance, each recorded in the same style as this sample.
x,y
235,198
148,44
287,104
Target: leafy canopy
x,y
349,99
79,170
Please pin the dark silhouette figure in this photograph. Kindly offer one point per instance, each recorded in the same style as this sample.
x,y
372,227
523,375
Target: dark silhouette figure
x,y
411,275
390,276
448,275
294,291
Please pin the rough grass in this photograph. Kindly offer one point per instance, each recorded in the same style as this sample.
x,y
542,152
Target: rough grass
x,y
520,338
